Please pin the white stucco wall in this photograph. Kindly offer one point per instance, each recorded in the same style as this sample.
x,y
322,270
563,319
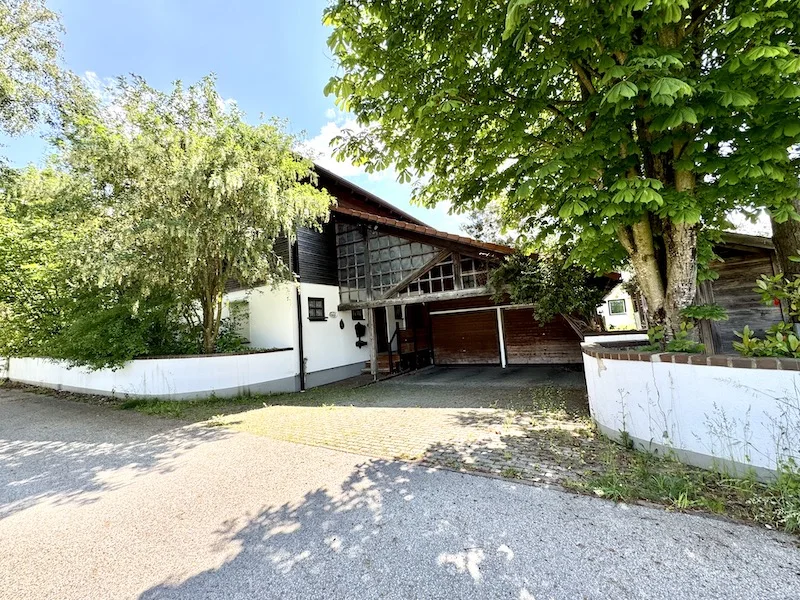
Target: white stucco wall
x,y
325,344
710,416
168,378
273,316
600,338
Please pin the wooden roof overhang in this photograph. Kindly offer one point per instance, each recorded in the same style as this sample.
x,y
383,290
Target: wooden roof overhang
x,y
424,234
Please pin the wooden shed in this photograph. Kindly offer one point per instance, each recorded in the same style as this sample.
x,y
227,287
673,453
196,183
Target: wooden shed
x,y
743,259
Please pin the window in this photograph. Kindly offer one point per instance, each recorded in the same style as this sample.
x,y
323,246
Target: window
x,y
316,309
357,314
398,312
616,307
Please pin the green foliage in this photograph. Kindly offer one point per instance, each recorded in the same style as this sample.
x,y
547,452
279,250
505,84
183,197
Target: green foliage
x,y
190,194
552,283
710,312
29,54
627,128
682,340
776,289
780,340
628,475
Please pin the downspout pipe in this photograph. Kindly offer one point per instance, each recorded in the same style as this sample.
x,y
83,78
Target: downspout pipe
x,y
294,264
300,341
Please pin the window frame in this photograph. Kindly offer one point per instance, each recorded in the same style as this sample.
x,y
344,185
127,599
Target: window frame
x,y
614,313
316,313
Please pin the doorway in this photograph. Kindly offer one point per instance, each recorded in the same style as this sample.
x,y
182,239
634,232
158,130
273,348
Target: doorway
x,y
381,330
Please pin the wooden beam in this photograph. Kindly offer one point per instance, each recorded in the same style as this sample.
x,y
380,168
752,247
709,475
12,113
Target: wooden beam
x,y
418,273
457,271
367,234
421,299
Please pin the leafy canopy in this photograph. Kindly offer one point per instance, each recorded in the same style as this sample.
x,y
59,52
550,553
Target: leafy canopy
x,y
590,116
29,63
193,196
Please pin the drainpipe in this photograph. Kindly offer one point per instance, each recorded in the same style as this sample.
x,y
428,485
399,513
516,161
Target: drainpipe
x,y
294,261
300,341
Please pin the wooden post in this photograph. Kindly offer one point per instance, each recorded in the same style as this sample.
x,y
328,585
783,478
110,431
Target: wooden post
x,y
373,344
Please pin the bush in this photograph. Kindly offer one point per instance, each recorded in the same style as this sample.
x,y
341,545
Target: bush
x,y
780,339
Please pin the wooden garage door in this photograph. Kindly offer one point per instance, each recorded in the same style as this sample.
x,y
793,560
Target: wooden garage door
x,y
529,342
466,338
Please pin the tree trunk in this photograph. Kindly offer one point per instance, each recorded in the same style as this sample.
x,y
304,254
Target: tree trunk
x,y
680,241
638,242
210,323
786,237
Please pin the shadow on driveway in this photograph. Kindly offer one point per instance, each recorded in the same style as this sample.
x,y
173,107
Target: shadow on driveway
x,y
63,452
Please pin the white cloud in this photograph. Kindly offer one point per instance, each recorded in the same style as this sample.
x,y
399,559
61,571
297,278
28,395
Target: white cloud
x,y
319,148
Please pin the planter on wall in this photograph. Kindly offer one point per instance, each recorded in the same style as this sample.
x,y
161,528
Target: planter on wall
x,y
728,413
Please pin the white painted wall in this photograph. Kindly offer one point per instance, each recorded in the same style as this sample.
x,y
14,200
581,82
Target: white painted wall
x,y
169,378
273,315
617,337
325,344
719,417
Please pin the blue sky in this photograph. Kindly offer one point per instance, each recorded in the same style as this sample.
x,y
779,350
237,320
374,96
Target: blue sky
x,y
270,56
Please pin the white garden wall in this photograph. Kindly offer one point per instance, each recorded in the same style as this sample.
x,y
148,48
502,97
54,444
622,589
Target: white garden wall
x,y
168,378
720,412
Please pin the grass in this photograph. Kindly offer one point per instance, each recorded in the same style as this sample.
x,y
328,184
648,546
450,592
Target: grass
x,y
628,475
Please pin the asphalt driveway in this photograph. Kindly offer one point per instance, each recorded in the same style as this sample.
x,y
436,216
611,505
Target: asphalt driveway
x,y
100,503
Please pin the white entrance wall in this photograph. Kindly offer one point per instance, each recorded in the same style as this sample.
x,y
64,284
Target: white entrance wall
x,y
721,412
330,351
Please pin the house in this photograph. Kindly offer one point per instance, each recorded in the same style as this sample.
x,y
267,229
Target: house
x,y
620,311
379,289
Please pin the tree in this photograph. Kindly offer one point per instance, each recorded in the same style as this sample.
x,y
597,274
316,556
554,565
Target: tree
x,y
29,63
786,237
193,196
487,225
629,128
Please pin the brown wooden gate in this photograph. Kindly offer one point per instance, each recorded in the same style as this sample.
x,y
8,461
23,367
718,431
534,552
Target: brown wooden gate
x,y
466,338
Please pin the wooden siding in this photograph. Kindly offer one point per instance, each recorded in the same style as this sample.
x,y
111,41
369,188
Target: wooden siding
x,y
466,338
733,290
317,255
529,342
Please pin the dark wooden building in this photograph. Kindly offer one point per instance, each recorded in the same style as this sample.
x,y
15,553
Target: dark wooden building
x,y
743,259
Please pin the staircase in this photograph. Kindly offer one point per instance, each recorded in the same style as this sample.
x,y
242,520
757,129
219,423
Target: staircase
x,y
383,364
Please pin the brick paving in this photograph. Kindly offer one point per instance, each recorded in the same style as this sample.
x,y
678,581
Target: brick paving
x,y
537,432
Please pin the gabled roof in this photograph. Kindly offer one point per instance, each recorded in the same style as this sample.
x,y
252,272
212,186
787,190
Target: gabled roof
x,y
367,197
423,231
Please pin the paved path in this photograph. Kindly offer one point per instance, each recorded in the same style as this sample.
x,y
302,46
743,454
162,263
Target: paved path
x,y
532,422
103,504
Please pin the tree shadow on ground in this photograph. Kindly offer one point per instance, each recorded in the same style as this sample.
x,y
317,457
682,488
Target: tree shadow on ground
x,y
68,453
366,539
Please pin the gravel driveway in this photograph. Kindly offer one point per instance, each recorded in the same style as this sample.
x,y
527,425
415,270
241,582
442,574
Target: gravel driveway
x,y
100,503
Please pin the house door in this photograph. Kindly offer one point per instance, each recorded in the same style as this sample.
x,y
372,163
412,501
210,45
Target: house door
x,y
381,329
